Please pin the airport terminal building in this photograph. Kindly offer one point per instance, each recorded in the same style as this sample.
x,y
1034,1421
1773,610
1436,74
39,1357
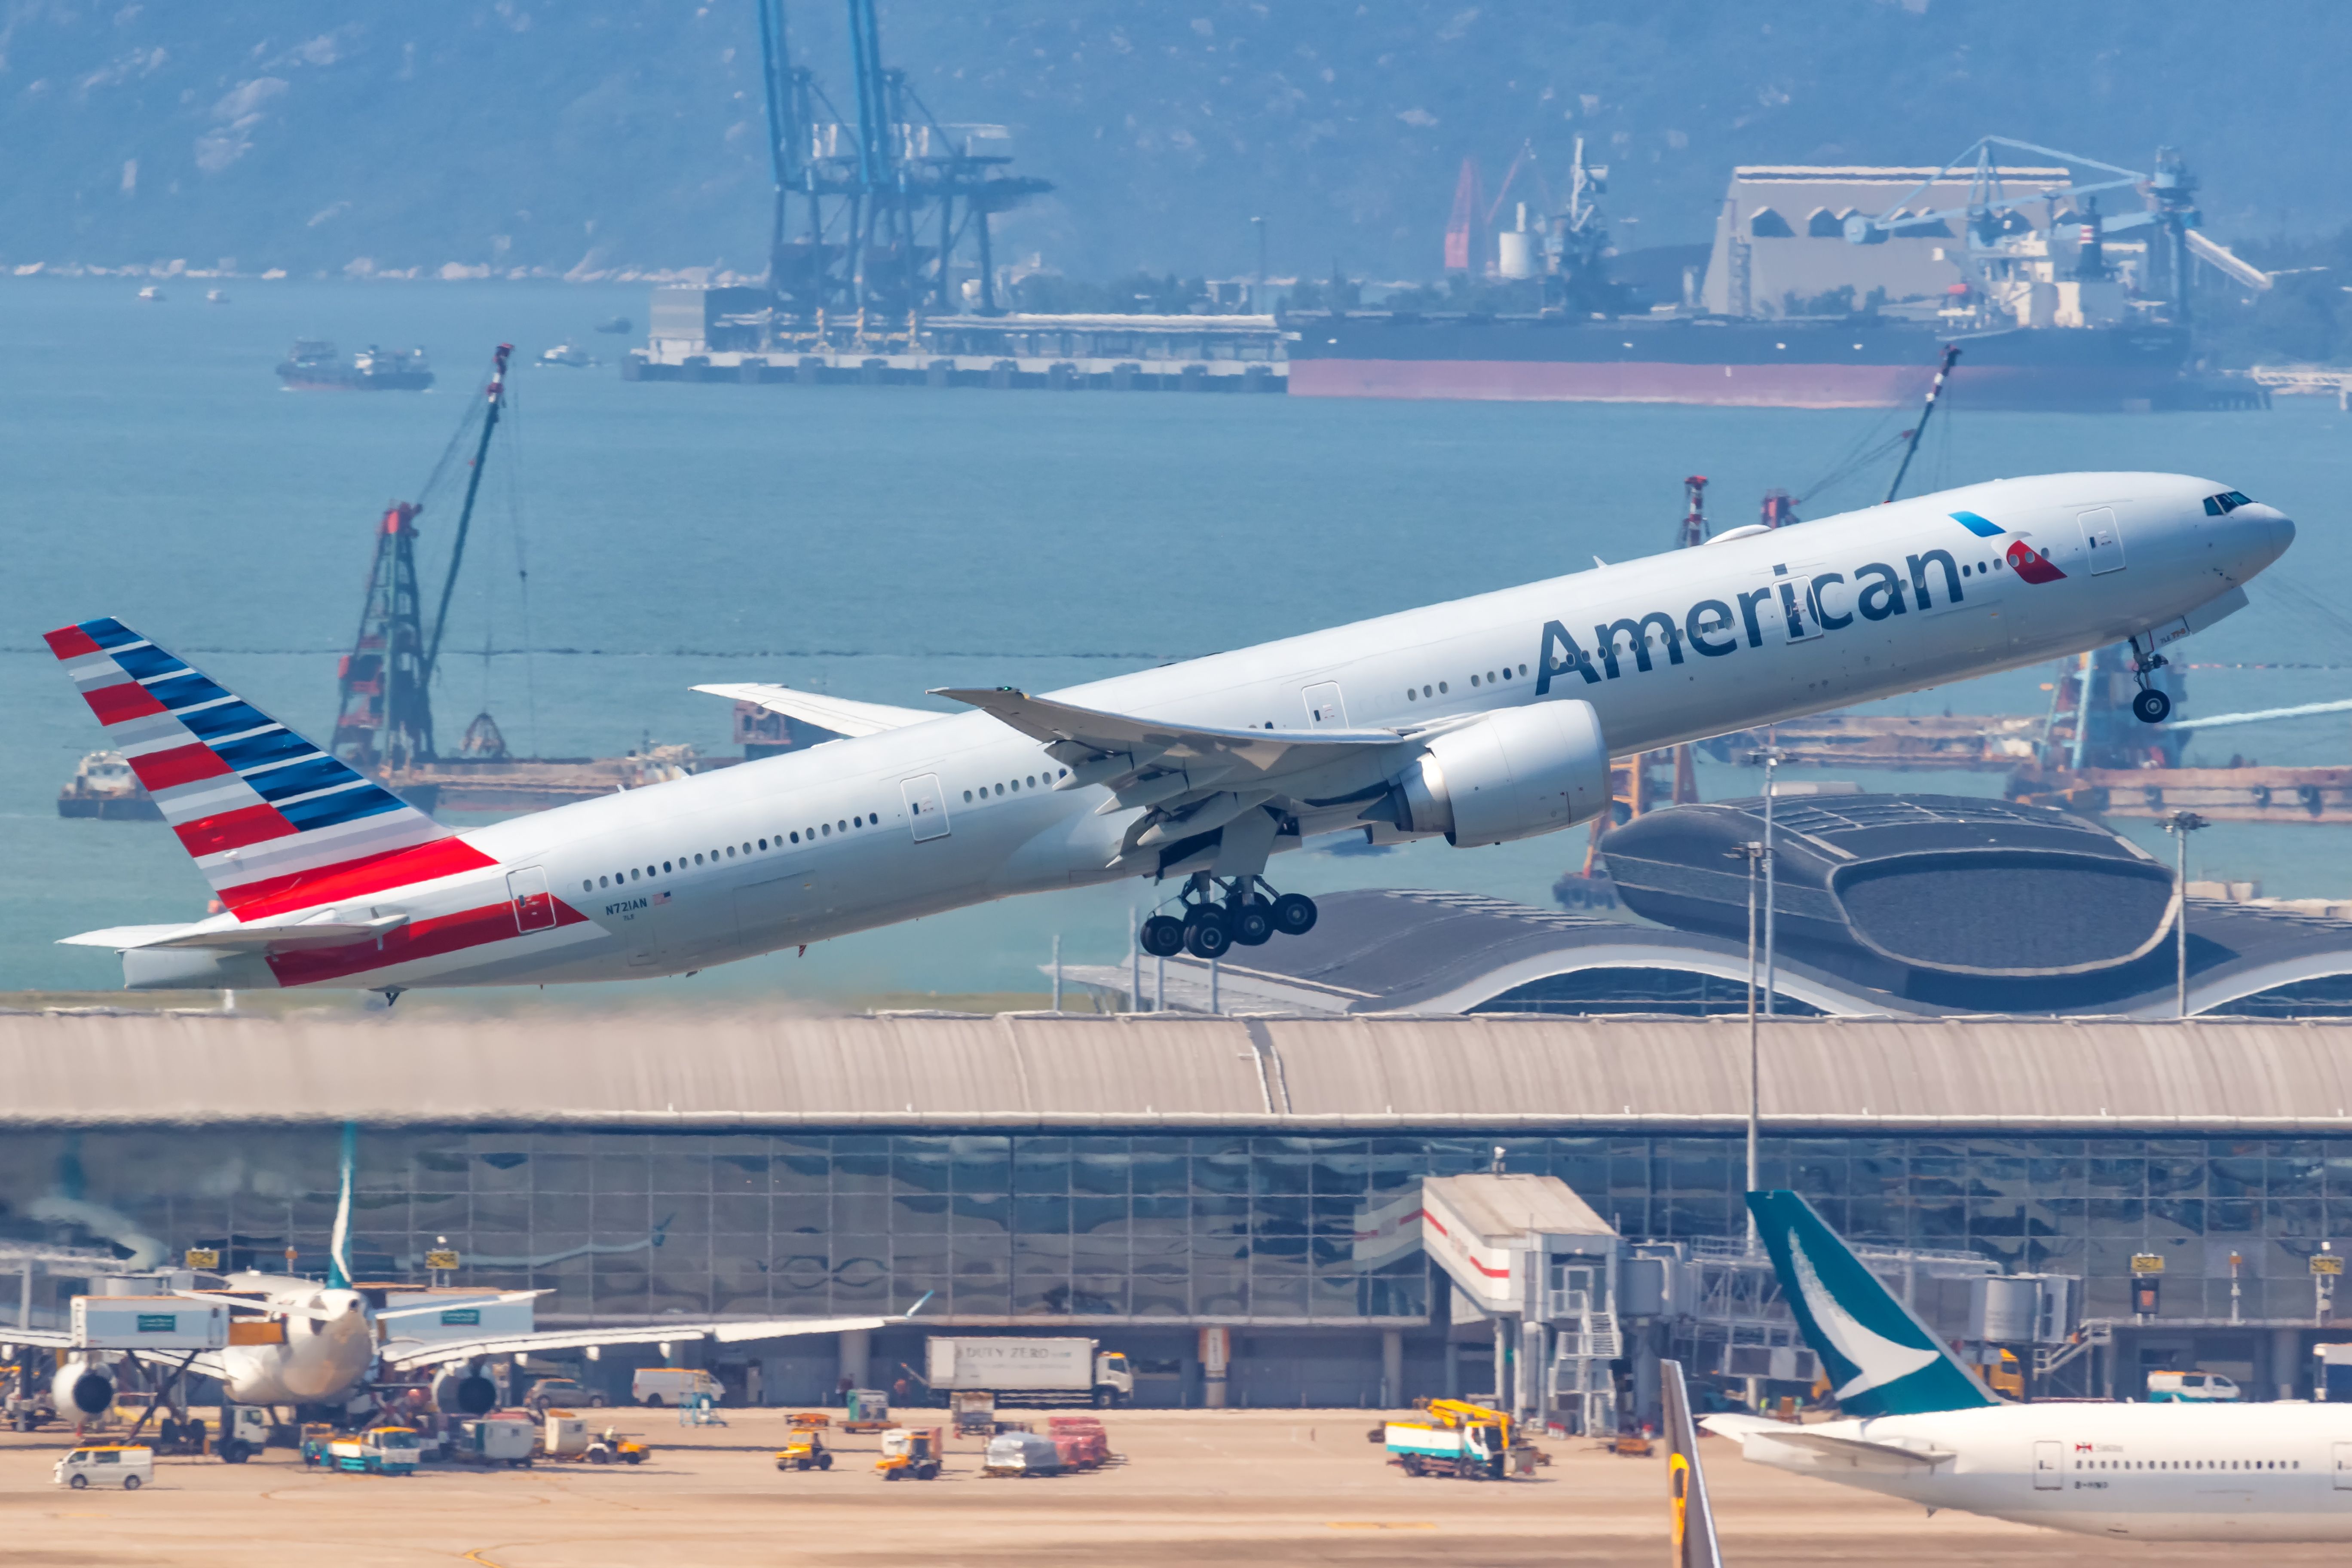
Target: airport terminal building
x,y
1140,1179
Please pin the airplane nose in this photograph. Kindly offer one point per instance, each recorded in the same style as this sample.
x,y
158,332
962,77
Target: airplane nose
x,y
2267,532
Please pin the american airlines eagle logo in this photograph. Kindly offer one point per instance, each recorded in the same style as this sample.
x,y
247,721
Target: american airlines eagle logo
x,y
1877,1360
2030,564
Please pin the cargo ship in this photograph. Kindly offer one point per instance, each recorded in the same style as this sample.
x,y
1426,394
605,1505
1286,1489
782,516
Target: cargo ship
x,y
313,365
1790,363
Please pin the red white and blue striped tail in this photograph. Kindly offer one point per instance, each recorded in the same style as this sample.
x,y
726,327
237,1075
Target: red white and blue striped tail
x,y
273,822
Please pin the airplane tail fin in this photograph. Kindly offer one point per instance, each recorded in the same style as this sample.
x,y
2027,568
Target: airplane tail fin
x,y
338,1245
1881,1359
1694,1542
268,816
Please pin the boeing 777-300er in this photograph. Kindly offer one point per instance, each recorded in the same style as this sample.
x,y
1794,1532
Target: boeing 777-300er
x,y
1483,719
1919,1426
311,1344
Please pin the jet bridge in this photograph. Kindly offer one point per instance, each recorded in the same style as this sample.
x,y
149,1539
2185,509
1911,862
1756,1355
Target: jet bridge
x,y
1538,1264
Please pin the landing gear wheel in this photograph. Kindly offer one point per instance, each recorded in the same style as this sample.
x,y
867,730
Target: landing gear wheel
x,y
1252,923
2152,707
1163,936
1294,914
1206,934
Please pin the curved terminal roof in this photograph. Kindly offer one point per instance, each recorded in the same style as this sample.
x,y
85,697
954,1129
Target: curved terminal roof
x,y
1483,1076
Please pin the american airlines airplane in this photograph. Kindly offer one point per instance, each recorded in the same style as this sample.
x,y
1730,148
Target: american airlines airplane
x,y
1482,720
1920,1427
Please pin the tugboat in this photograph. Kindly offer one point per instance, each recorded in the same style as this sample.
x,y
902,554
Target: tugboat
x,y
104,786
312,365
569,355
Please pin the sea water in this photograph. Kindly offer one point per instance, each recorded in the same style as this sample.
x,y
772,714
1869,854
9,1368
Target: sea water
x,y
634,540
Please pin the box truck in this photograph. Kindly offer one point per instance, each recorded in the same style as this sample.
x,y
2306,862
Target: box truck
x,y
1037,1371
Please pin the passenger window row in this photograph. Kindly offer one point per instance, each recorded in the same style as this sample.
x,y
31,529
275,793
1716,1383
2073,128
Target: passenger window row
x,y
1033,781
1415,694
729,852
2189,1463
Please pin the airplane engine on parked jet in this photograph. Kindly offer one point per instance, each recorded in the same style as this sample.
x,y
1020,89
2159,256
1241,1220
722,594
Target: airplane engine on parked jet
x,y
457,1392
1517,772
80,1388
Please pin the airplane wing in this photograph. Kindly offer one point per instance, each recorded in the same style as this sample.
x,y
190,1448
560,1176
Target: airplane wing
x,y
1886,1459
838,714
1076,734
46,1339
258,937
446,1351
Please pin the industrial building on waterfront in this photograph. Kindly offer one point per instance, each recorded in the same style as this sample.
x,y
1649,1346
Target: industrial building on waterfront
x,y
1141,1179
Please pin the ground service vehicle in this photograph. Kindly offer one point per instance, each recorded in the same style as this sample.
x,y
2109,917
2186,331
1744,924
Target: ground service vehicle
x,y
659,1386
244,1432
378,1451
804,1450
1457,1439
911,1451
1037,1371
106,1465
609,1448
1022,1454
2189,1387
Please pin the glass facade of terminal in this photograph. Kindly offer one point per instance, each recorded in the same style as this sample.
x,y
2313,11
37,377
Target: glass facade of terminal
x,y
1206,1227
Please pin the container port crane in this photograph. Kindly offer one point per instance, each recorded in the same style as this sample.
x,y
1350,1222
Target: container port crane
x,y
885,205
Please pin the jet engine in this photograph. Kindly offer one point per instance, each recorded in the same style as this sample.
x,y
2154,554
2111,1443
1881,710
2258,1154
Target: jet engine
x,y
457,1392
1517,772
80,1388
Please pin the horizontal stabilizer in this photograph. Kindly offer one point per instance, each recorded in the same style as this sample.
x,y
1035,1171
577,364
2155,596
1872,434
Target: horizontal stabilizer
x,y
1884,1459
1261,752
224,938
837,714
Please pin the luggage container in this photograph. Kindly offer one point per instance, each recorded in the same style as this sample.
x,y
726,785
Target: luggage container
x,y
1022,1454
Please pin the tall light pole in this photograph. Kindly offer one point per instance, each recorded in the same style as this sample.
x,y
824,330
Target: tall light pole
x,y
1257,295
1772,757
1751,852
2180,824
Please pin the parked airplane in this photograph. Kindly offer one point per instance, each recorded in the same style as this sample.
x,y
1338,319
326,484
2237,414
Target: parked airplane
x,y
1484,720
305,1343
1919,1426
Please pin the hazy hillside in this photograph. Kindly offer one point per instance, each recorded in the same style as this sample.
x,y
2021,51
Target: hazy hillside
x,y
522,133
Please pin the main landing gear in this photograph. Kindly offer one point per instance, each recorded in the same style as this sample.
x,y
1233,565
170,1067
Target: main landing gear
x,y
1248,913
2151,706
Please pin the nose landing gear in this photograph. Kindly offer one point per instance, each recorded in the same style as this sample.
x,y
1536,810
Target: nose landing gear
x,y
2151,706
1249,913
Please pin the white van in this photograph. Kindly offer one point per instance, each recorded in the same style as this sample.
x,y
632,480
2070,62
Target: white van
x,y
669,1384
2189,1387
106,1465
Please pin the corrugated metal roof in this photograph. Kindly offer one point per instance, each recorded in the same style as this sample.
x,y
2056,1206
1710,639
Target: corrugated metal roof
x,y
1027,1070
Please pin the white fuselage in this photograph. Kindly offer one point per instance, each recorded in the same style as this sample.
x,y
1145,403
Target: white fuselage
x,y
329,1349
2152,1472
1674,647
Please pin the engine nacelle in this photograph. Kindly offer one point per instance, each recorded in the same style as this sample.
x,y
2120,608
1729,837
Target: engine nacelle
x,y
457,1392
1517,772
80,1388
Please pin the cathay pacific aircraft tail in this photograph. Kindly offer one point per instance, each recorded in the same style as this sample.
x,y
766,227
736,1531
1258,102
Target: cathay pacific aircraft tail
x,y
1881,1359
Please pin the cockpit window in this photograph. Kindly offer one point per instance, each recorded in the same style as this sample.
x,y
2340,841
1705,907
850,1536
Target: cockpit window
x,y
2226,502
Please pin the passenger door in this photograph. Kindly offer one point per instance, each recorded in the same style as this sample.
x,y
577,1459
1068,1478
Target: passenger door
x,y
2344,1466
2103,540
1324,708
2049,1464
927,807
534,908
